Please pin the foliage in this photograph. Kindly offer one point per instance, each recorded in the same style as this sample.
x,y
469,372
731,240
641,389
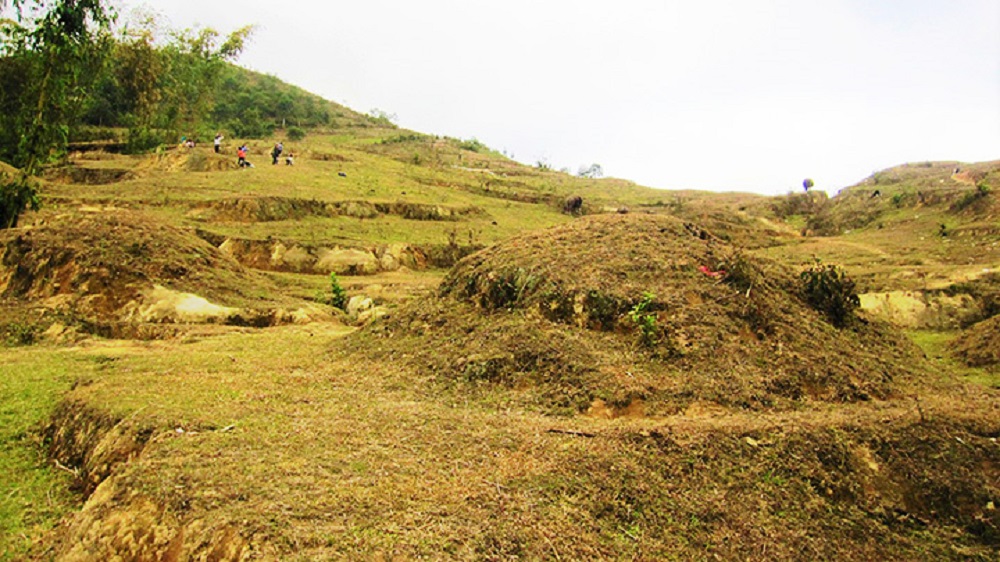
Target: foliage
x,y
473,145
47,61
295,133
16,196
338,295
593,171
739,272
829,290
17,334
649,331
382,118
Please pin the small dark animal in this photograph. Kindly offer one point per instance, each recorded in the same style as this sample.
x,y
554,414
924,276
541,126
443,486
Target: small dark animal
x,y
876,193
342,174
572,205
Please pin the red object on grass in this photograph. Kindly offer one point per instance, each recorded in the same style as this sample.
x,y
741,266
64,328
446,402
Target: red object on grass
x,y
704,269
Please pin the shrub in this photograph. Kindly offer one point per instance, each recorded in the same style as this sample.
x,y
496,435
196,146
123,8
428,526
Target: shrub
x,y
649,331
18,334
472,145
740,273
829,290
16,196
338,295
295,133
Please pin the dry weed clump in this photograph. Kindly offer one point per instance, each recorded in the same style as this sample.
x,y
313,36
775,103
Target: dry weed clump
x,y
552,316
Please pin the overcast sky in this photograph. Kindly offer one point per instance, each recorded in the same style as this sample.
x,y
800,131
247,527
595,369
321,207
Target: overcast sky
x,y
704,94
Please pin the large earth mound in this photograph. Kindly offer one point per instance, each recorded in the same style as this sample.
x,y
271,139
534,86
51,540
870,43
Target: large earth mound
x,y
979,346
108,269
640,314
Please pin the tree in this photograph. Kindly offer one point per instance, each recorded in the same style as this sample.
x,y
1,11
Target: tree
x,y
194,63
594,171
51,51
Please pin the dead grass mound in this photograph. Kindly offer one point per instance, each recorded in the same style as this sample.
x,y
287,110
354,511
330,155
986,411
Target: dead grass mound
x,y
979,346
105,268
629,314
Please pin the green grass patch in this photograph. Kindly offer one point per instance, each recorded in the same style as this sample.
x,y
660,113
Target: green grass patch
x,y
937,346
33,495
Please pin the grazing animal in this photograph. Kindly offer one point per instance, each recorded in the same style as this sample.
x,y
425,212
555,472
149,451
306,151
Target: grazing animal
x,y
572,205
342,174
876,193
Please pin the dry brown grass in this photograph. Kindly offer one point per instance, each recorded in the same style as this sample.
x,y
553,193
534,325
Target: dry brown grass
x,y
309,453
520,413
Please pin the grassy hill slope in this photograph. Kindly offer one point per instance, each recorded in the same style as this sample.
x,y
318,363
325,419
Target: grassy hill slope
x,y
519,409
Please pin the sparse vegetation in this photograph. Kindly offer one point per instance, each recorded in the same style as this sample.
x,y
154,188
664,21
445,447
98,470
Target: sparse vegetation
x,y
539,403
828,289
338,295
645,320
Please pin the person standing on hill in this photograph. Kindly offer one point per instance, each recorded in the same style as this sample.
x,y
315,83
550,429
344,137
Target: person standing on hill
x,y
241,153
218,142
276,153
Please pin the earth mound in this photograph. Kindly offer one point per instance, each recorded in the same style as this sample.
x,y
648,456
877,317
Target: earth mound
x,y
189,160
979,346
642,315
111,270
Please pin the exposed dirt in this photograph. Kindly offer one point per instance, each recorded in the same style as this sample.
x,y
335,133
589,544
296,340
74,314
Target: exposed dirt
x,y
615,308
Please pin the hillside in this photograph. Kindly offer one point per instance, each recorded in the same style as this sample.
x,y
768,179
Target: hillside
x,y
510,381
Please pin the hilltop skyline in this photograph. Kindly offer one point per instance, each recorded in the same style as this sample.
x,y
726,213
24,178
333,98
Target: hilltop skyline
x,y
718,96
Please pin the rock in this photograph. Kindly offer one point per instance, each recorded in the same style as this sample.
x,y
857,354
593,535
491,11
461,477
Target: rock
x,y
347,262
359,304
161,305
295,258
371,315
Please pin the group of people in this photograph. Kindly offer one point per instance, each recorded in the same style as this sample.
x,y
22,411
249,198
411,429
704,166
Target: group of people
x,y
276,153
241,152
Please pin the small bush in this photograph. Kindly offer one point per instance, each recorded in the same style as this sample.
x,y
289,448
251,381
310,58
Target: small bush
x,y
338,295
18,334
740,273
16,196
649,331
829,290
472,145
295,133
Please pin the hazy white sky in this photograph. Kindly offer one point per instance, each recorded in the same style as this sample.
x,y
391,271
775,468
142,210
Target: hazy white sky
x,y
705,94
